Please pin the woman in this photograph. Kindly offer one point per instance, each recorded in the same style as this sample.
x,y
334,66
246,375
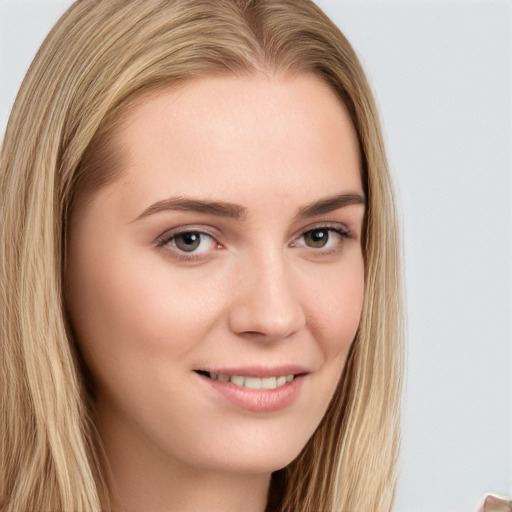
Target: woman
x,y
196,204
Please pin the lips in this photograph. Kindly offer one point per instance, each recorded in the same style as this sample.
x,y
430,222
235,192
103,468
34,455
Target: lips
x,y
256,389
250,382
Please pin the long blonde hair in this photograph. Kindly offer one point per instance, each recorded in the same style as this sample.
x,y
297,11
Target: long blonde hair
x,y
99,57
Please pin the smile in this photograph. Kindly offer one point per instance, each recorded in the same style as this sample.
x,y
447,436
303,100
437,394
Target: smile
x,y
250,382
257,389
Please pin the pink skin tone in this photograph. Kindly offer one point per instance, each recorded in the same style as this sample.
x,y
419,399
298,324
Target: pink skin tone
x,y
257,293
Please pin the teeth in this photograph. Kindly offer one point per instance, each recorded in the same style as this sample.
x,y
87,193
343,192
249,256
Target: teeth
x,y
253,382
237,380
269,383
281,381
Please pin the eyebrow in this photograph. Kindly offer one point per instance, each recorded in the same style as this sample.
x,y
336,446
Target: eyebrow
x,y
238,212
183,204
329,204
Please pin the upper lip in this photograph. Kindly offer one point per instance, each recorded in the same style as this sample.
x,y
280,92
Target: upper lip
x,y
258,370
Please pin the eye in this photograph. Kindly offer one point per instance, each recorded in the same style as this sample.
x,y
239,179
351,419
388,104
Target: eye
x,y
324,238
188,243
316,238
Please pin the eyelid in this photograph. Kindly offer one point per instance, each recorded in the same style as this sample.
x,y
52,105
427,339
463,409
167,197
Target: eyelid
x,y
339,227
334,244
163,241
194,228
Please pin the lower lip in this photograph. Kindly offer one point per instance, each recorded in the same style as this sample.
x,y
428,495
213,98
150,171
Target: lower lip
x,y
258,400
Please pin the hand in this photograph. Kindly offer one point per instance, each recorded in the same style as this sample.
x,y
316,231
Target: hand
x,y
494,503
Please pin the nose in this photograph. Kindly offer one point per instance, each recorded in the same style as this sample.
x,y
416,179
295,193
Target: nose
x,y
266,304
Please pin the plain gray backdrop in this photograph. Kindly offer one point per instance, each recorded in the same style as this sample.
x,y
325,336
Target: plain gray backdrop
x,y
441,72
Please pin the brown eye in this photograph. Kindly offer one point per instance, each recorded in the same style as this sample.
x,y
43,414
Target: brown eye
x,y
187,242
188,245
316,238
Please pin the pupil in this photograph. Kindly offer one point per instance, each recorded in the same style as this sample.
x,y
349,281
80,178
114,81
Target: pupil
x,y
318,237
188,241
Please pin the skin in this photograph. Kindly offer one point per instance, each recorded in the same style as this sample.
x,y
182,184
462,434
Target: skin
x,y
255,291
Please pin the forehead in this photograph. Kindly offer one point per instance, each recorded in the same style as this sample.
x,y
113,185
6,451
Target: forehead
x,y
233,137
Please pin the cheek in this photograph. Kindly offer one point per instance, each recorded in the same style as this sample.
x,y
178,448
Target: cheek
x,y
335,311
126,312
126,317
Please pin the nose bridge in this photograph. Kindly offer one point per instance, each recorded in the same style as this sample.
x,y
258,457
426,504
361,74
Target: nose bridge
x,y
267,302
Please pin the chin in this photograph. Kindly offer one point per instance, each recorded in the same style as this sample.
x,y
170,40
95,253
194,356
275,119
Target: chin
x,y
259,455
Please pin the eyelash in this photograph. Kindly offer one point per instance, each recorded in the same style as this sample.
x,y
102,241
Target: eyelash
x,y
337,229
169,240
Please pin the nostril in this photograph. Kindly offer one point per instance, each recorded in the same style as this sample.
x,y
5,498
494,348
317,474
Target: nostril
x,y
259,336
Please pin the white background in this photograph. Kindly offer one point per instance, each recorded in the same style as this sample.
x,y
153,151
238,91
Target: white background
x,y
442,75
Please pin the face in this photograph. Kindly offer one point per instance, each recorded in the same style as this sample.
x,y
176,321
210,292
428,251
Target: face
x,y
216,286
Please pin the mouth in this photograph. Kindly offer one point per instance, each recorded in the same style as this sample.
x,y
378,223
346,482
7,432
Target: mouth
x,y
251,382
257,389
